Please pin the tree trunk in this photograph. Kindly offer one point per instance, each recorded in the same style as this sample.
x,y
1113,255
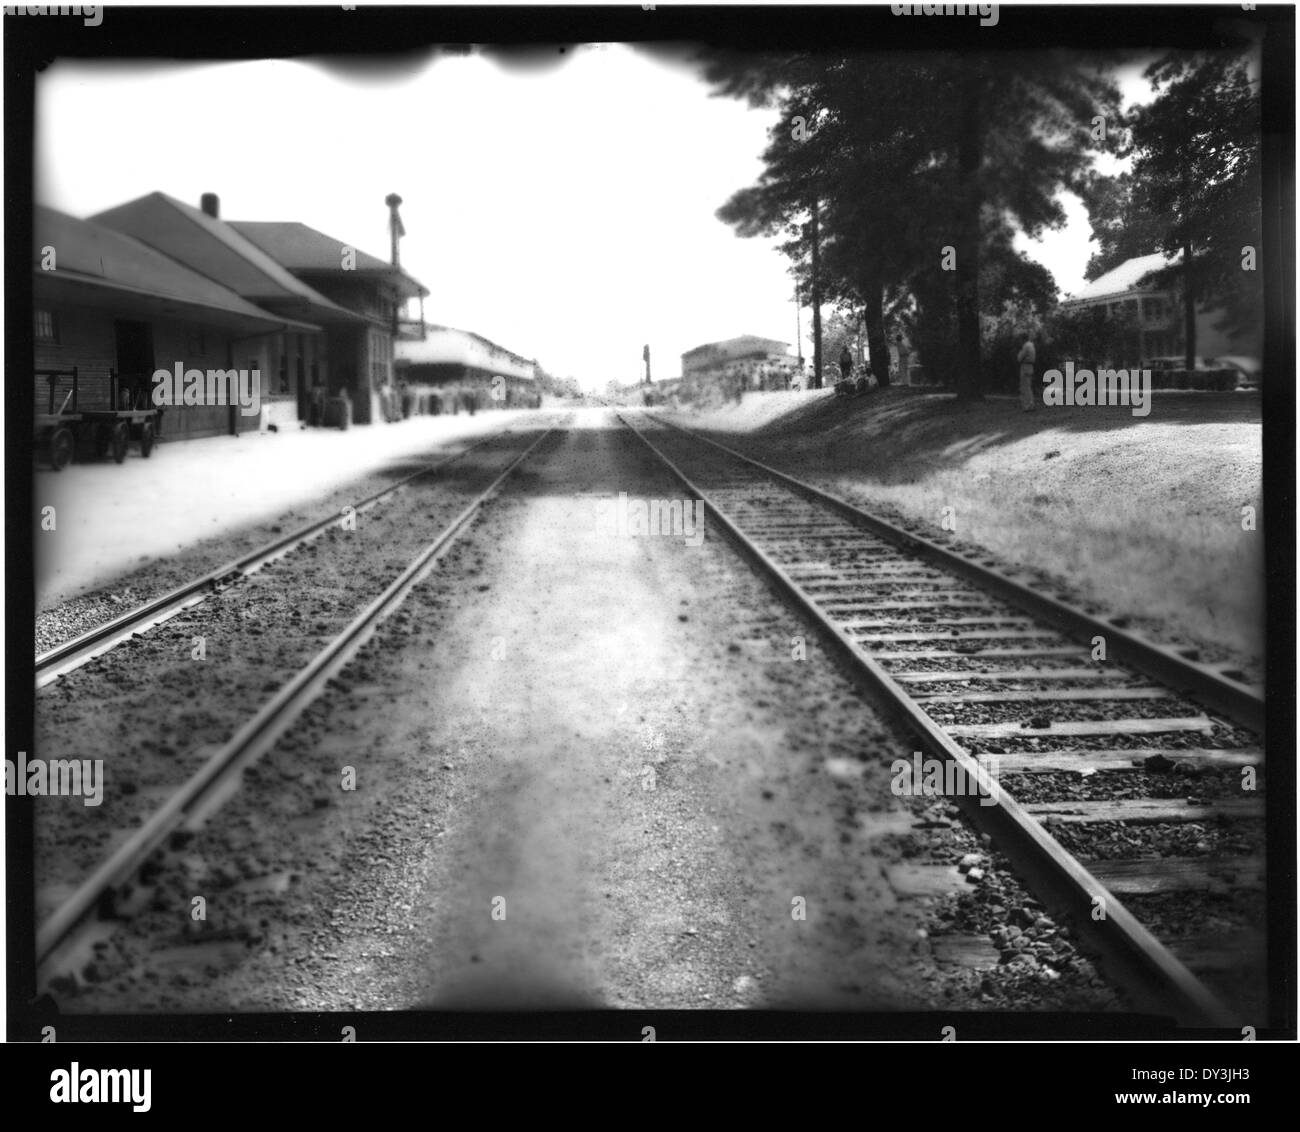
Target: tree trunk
x,y
816,300
967,246
873,315
1189,309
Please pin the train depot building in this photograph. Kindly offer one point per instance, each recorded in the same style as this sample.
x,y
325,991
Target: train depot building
x,y
354,300
375,292
157,284
114,310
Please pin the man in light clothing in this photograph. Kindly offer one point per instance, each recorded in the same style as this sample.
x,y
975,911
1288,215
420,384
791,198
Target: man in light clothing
x,y
1027,357
904,358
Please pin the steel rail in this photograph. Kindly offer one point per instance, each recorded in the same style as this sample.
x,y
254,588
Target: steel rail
x,y
1237,700
72,654
1136,959
209,786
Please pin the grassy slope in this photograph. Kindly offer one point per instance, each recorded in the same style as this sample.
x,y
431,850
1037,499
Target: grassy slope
x,y
1137,516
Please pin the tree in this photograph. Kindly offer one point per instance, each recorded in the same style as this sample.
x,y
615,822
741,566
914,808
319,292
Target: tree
x,y
1024,131
1124,222
908,157
880,222
839,329
843,176
1091,332
786,199
1198,168
1016,294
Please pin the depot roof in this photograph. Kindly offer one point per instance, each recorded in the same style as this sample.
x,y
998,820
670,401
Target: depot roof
x,y
99,257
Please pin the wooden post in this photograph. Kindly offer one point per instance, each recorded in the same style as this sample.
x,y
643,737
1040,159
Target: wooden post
x,y
816,301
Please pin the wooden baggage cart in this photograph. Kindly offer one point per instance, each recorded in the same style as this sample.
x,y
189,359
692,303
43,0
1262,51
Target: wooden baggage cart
x,y
60,430
57,427
131,418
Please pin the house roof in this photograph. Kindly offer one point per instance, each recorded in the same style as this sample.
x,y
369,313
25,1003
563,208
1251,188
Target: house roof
x,y
1126,277
433,348
94,255
744,341
300,248
215,249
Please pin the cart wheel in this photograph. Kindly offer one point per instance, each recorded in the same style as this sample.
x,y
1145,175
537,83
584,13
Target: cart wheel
x,y
120,438
103,436
62,445
146,439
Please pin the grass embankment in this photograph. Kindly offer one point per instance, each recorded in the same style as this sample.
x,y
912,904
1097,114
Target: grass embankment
x,y
1137,516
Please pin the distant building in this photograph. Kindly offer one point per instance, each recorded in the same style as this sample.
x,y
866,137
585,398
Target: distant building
x,y
715,356
450,367
1157,312
735,365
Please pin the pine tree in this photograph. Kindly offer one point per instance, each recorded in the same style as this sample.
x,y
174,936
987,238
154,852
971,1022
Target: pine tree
x,y
1198,167
907,156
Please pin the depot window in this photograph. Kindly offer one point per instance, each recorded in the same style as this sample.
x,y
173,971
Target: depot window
x,y
46,327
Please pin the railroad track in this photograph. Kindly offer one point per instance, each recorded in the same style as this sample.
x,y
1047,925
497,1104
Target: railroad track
x,y
1002,683
204,791
72,654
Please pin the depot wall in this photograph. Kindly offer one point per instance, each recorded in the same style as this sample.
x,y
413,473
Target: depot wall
x,y
86,337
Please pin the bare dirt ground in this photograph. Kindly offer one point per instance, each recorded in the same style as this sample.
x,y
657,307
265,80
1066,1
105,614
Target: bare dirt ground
x,y
589,773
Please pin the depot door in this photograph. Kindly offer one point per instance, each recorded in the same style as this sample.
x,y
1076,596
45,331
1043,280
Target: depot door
x,y
134,362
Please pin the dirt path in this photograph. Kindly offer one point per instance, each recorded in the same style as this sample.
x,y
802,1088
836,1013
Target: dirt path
x,y
638,820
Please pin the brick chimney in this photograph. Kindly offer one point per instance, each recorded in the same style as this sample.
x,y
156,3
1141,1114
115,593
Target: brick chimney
x,y
211,204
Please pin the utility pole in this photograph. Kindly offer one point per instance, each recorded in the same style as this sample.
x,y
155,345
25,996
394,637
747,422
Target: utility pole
x,y
396,231
798,328
395,228
816,300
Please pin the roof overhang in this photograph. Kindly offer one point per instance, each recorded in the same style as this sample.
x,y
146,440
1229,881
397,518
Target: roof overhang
x,y
99,294
406,285
1116,296
309,310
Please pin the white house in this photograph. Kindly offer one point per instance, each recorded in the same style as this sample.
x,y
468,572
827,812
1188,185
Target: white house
x,y
1158,312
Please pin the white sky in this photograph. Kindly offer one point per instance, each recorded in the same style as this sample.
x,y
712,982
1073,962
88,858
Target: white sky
x,y
564,210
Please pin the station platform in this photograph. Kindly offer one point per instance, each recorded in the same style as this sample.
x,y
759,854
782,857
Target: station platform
x,y
111,518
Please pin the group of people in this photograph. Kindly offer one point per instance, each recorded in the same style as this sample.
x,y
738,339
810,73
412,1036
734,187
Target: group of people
x,y
848,384
1026,359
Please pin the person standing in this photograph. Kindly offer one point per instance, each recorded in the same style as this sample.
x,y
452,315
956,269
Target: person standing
x,y
903,373
1027,357
846,364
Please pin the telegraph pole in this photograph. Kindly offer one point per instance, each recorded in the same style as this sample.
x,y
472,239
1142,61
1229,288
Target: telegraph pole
x,y
816,301
396,230
798,328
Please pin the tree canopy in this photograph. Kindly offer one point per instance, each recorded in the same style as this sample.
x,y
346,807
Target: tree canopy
x,y
916,164
918,169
